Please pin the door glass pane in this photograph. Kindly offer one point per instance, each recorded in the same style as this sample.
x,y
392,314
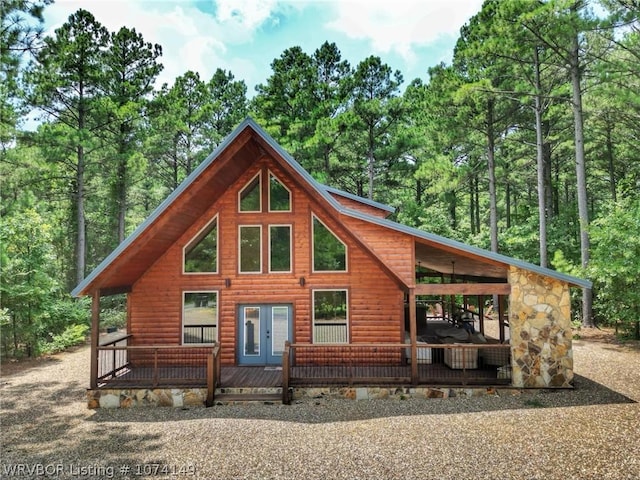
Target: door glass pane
x,y
280,248
279,329
250,257
252,331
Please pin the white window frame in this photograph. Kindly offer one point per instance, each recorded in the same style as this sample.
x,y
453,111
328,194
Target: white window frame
x,y
217,292
240,227
271,174
313,313
290,248
190,242
259,175
313,248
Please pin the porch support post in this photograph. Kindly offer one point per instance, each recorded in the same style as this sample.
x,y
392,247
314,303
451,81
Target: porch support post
x,y
501,321
95,338
413,336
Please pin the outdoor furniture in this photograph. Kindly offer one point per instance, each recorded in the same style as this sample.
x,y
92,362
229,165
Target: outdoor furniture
x,y
459,358
424,353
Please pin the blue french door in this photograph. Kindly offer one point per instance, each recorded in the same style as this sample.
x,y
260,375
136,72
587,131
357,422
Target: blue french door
x,y
262,332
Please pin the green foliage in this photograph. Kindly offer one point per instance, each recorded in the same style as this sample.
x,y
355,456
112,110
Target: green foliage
x,y
71,336
457,153
34,309
615,263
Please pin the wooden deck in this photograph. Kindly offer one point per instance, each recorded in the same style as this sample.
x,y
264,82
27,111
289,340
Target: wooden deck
x,y
261,377
313,366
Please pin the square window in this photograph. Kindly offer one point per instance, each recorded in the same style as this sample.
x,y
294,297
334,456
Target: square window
x,y
330,316
250,249
280,248
199,317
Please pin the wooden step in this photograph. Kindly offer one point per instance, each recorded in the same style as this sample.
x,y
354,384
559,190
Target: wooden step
x,y
230,398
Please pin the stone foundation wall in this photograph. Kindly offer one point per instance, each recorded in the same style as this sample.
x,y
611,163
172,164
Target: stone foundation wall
x,y
181,398
397,393
156,397
540,329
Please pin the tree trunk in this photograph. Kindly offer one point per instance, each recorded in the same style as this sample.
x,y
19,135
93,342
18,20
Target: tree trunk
x,y
121,198
583,213
477,190
610,157
472,204
542,207
493,204
80,221
370,160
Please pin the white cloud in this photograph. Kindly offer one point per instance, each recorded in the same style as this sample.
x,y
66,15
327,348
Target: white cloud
x,y
191,38
402,25
245,15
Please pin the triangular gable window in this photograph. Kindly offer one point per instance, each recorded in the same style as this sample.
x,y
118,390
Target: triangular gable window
x,y
201,254
250,197
329,252
279,195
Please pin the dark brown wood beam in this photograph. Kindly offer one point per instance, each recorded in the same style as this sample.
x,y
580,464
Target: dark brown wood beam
x,y
463,289
95,338
106,292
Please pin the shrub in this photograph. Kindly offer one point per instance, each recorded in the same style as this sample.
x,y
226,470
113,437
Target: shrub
x,y
73,335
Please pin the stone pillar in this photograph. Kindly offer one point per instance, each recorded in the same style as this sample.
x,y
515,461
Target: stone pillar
x,y
540,329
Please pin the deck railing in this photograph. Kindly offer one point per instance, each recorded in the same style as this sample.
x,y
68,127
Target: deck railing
x,y
390,364
123,365
200,333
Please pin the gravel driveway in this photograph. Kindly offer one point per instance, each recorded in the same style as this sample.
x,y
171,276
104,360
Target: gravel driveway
x,y
590,432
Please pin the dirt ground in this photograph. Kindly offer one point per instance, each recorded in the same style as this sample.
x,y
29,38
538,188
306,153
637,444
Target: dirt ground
x,y
590,432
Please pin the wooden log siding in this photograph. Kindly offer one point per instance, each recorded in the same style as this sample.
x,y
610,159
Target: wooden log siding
x,y
375,300
392,247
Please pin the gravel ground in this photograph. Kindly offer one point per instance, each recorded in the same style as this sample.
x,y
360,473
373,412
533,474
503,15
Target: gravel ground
x,y
590,432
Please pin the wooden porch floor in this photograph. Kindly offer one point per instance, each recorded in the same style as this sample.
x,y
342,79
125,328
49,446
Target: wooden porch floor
x,y
269,377
262,377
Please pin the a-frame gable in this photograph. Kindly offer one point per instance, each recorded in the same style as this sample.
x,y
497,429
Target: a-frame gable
x,y
210,180
165,225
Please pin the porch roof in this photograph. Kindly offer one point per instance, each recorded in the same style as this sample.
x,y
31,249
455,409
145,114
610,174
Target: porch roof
x,y
121,269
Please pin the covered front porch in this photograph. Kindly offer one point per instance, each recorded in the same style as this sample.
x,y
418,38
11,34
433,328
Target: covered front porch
x,y
158,372
479,324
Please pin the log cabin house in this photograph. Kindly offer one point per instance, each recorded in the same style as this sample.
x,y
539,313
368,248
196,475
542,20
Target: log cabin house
x,y
253,274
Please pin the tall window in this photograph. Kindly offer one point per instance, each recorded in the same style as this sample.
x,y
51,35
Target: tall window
x,y
280,248
279,196
329,253
250,249
200,317
330,316
201,254
250,197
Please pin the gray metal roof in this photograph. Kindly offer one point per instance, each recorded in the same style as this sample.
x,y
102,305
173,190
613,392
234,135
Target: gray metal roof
x,y
325,192
356,198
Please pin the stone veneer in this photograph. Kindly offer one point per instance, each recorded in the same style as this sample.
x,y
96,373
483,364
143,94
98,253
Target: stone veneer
x,y
182,398
142,397
540,330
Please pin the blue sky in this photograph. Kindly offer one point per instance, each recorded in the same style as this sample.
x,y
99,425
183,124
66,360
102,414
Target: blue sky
x,y
244,36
